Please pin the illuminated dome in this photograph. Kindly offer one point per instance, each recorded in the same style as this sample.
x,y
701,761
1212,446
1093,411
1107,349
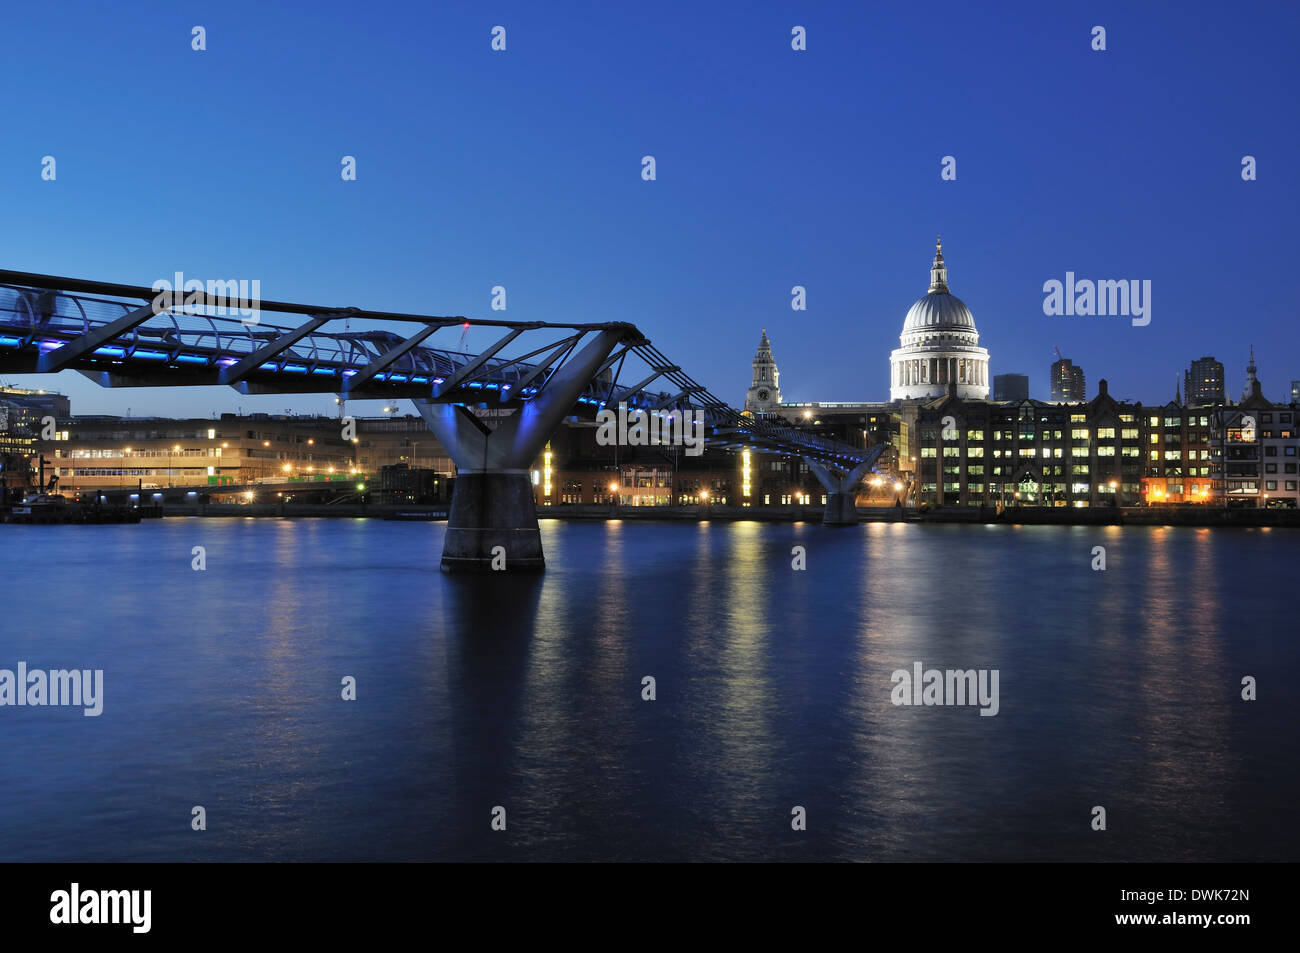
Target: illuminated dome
x,y
939,345
939,311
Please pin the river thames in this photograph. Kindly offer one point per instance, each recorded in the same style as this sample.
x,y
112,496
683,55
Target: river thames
x,y
1119,688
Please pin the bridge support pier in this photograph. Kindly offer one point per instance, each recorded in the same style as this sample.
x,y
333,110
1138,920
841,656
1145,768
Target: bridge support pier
x,y
490,510
840,509
492,524
841,492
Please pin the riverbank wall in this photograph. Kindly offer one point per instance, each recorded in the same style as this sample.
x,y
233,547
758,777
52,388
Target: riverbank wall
x,y
1028,515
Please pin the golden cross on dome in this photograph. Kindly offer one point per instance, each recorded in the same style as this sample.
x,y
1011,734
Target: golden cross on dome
x,y
938,244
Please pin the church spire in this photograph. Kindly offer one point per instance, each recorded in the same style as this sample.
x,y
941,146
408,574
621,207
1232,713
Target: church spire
x,y
1252,380
938,271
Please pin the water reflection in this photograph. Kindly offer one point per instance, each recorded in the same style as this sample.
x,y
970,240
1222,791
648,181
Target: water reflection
x,y
1117,687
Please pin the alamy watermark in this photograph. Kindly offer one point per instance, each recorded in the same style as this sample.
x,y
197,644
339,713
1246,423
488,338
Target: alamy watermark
x,y
640,428
1124,298
946,687
77,906
58,686
221,298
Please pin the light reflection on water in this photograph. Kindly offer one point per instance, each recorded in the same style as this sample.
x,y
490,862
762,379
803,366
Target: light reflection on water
x,y
1118,688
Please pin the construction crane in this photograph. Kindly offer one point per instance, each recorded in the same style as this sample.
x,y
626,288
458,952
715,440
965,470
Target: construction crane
x,y
1059,355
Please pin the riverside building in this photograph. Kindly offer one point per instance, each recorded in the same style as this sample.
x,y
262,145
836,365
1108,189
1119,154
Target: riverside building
x,y
107,453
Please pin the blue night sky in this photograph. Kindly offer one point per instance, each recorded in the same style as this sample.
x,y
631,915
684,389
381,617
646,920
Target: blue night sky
x,y
775,168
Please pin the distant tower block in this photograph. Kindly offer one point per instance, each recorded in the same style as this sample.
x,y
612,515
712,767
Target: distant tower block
x,y
1203,382
1068,384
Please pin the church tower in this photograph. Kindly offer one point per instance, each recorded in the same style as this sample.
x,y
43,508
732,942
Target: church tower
x,y
764,394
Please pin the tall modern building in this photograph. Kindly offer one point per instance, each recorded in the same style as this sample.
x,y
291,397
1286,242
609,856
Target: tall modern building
x,y
764,394
1295,392
1067,381
1011,387
1203,382
940,346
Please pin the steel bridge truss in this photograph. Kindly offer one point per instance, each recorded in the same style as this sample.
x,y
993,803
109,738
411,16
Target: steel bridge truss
x,y
133,336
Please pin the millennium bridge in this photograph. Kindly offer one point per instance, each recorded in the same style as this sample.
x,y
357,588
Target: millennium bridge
x,y
492,411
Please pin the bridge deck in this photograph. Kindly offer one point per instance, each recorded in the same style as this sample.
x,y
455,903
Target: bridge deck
x,y
133,336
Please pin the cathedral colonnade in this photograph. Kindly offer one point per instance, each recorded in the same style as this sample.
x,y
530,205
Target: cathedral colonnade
x,y
941,370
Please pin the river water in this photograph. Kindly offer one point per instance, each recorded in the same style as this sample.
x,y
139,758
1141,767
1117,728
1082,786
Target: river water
x,y
223,689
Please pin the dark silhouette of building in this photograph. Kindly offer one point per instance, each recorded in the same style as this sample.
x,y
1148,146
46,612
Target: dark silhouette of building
x,y
1010,386
401,483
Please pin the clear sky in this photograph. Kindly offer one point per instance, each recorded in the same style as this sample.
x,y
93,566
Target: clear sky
x,y
775,168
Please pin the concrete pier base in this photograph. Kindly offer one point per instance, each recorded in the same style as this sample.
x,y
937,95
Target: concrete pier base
x,y
841,491
490,510
840,510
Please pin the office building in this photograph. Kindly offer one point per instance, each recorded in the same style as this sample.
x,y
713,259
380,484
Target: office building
x,y
1067,381
1203,382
